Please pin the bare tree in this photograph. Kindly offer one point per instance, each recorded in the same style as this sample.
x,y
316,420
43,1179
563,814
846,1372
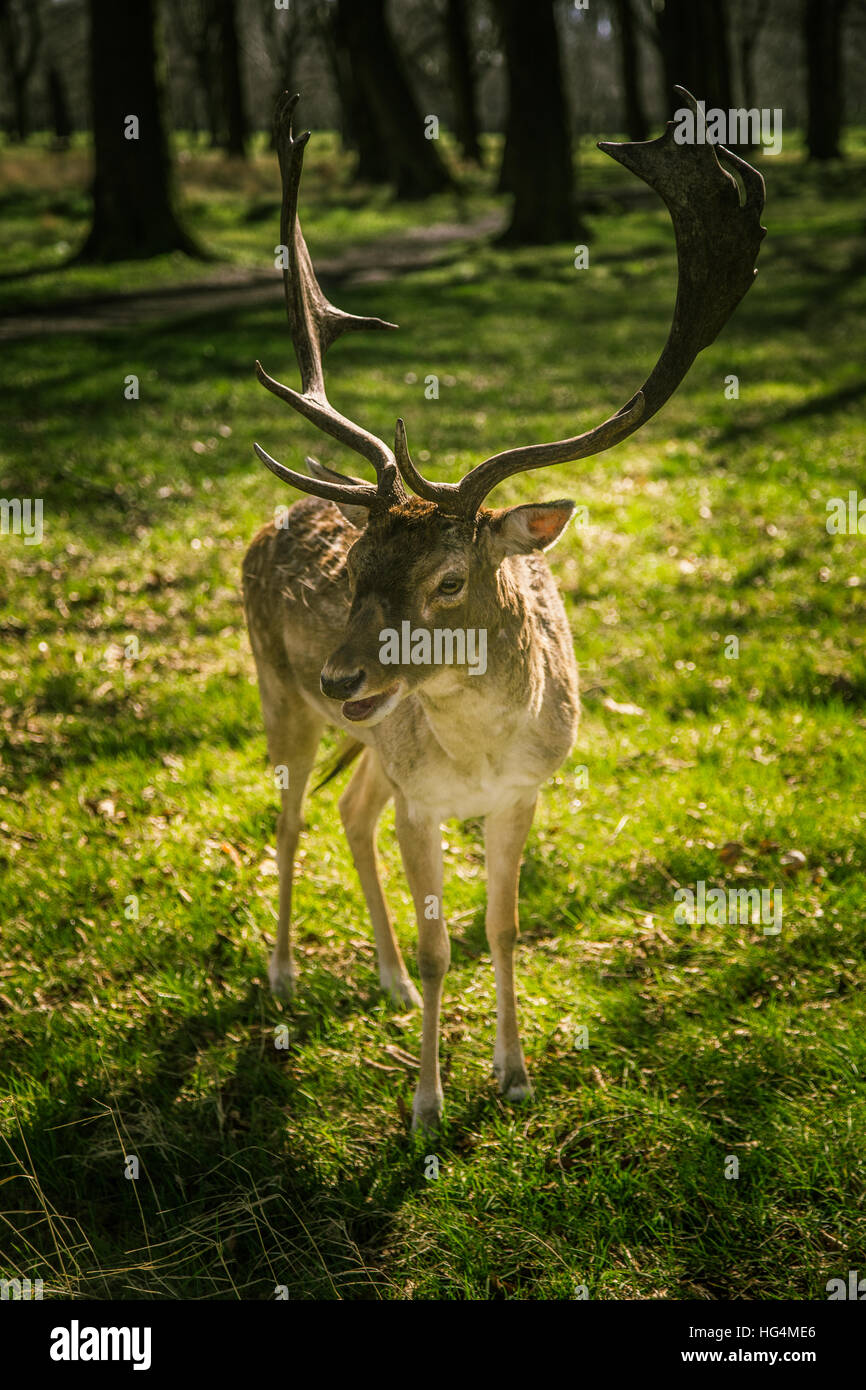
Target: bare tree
x,y
537,159
284,39
462,70
751,17
134,211
693,36
358,130
20,41
389,124
822,37
636,124
58,104
197,26
232,89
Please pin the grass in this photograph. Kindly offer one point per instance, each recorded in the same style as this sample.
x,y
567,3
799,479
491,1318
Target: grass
x,y
138,810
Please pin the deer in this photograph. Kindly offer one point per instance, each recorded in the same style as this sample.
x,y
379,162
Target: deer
x,y
354,562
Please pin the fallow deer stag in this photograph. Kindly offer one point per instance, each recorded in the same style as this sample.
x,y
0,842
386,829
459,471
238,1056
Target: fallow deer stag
x,y
355,561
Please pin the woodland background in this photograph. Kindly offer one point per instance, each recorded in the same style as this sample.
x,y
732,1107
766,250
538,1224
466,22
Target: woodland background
x,y
137,809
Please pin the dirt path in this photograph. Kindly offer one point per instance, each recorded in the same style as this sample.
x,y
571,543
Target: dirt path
x,y
232,287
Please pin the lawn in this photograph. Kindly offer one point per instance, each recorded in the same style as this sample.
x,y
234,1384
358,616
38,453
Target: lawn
x,y
137,807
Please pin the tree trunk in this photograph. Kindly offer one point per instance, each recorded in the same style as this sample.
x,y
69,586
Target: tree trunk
x,y
822,33
358,130
462,79
206,65
133,187
537,151
383,97
204,59
695,50
324,24
285,41
285,81
58,103
197,30
751,23
747,71
20,52
20,107
635,119
234,108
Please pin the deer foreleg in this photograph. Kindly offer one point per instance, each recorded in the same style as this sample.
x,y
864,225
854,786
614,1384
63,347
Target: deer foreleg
x,y
360,807
420,838
505,834
293,734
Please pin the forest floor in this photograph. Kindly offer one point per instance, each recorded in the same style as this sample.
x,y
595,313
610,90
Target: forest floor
x,y
233,286
137,808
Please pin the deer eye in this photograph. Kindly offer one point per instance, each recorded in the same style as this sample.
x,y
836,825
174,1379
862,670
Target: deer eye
x,y
451,585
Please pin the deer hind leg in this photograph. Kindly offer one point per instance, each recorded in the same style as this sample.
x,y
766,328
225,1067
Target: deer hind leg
x,y
504,837
361,805
293,732
420,838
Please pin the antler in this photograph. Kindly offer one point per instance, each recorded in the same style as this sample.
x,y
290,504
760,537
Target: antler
x,y
315,323
717,243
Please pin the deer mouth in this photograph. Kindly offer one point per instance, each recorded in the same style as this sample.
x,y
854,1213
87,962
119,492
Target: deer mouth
x,y
372,706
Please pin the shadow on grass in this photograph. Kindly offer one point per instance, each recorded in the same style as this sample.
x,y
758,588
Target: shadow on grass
x,y
113,732
825,403
233,1200
228,1208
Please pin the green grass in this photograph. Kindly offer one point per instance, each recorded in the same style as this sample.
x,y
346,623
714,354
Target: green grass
x,y
139,785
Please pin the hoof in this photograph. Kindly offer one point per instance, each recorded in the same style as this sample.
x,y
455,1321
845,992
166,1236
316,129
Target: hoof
x,y
282,977
427,1116
514,1084
403,992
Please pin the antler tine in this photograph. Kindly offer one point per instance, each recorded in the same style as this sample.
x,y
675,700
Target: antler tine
x,y
717,243
441,493
315,323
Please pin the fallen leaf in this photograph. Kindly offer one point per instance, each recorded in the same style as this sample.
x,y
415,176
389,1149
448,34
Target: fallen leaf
x,y
616,708
730,852
792,861
232,854
759,756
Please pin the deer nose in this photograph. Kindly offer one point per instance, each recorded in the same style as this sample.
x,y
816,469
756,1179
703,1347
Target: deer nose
x,y
343,685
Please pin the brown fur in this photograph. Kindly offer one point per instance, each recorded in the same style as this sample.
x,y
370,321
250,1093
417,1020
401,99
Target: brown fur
x,y
318,593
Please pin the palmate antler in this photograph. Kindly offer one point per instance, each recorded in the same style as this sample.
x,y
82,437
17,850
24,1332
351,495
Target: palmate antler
x,y
315,323
717,241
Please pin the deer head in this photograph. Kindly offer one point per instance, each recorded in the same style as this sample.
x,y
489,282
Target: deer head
x,y
437,555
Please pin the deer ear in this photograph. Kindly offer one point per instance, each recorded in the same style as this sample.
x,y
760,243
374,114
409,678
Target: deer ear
x,y
520,530
356,516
